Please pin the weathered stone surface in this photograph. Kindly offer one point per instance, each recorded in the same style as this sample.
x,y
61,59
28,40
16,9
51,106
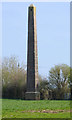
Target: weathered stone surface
x,y
32,56
32,96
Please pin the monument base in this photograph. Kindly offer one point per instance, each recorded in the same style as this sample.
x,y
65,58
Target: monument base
x,y
32,96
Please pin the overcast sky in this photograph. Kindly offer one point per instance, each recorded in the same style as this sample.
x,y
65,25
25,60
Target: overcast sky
x,y
53,33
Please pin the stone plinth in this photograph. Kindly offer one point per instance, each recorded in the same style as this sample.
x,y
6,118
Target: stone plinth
x,y
32,96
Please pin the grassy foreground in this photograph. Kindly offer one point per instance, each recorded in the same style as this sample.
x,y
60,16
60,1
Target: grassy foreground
x,y
35,109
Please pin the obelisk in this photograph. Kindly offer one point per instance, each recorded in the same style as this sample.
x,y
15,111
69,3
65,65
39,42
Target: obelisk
x,y
32,57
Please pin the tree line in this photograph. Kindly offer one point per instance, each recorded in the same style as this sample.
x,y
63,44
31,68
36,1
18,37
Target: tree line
x,y
56,86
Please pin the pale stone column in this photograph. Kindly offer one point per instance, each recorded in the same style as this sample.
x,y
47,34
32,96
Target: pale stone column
x,y
32,56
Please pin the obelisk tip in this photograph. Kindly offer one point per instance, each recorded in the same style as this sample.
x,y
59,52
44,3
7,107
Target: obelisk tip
x,y
31,5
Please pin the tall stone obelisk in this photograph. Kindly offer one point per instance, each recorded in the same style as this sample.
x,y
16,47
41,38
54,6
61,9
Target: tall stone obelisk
x,y
32,57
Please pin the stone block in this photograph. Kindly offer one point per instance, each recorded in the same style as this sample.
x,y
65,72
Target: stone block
x,y
32,96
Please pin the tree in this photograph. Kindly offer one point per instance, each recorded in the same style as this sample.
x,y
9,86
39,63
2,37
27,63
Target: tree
x,y
58,80
43,88
70,82
13,78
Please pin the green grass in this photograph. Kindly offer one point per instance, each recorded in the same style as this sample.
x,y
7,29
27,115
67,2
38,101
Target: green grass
x,y
23,109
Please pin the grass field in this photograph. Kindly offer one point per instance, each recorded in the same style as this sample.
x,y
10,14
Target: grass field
x,y
35,109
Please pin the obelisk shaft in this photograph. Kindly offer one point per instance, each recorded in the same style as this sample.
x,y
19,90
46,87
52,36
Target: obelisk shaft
x,y
32,56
